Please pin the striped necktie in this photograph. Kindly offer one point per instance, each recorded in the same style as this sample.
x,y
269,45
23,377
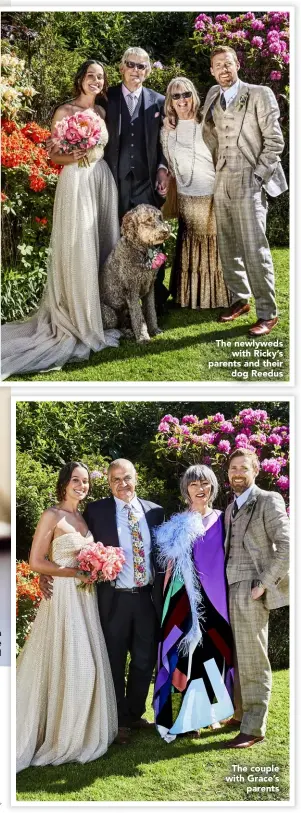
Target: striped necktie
x,y
131,103
140,577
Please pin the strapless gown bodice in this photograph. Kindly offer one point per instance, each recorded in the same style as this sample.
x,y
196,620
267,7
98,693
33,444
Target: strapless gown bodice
x,y
66,706
65,548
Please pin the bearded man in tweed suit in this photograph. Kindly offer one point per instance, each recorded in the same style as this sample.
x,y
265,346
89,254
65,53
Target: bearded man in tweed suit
x,y
241,128
257,557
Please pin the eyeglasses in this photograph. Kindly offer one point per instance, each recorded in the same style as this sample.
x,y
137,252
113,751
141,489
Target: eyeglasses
x,y
140,65
186,95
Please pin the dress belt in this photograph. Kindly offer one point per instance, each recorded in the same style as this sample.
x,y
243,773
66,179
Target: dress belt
x,y
147,587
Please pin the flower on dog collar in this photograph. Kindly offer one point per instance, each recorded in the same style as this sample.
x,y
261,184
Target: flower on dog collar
x,y
156,258
241,101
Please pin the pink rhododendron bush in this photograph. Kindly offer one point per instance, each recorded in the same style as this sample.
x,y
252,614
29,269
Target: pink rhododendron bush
x,y
211,440
260,39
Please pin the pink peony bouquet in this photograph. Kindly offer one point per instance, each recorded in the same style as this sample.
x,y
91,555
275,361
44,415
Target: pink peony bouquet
x,y
81,131
100,563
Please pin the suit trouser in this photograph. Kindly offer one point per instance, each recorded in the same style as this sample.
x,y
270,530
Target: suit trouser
x,y
131,627
240,208
130,194
252,671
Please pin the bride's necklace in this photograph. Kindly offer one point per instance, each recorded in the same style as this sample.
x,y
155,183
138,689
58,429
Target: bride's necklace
x,y
178,176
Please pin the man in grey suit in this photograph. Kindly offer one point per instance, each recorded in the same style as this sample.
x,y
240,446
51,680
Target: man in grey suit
x,y
257,557
241,128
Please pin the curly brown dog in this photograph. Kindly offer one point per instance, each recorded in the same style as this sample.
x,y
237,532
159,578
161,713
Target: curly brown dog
x,y
127,276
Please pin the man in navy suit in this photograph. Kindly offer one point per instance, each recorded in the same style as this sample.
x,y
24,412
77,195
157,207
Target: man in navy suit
x,y
129,614
134,153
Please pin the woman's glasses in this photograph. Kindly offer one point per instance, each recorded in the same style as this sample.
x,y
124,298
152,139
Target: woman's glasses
x,y
140,65
186,95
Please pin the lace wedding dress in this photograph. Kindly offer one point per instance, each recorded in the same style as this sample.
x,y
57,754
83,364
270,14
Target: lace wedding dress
x,y
68,324
66,707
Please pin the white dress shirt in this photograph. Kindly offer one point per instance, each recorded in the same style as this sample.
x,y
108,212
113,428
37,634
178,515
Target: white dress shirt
x,y
126,577
242,498
230,93
126,92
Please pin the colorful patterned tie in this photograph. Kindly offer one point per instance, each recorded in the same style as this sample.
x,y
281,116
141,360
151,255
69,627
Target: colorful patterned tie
x,y
140,577
131,103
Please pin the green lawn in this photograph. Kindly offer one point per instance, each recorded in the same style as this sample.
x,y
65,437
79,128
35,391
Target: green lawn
x,y
187,345
188,770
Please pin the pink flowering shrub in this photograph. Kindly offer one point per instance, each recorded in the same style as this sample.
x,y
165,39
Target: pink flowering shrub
x,y
212,439
260,39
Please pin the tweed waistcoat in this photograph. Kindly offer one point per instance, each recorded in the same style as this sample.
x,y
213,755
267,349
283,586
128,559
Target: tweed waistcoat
x,y
228,127
132,152
239,563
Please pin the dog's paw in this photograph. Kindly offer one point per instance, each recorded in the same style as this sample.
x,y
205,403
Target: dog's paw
x,y
156,332
144,337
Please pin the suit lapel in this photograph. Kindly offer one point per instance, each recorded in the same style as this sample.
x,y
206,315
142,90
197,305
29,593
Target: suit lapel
x,y
114,112
111,524
147,100
207,108
240,105
243,517
245,513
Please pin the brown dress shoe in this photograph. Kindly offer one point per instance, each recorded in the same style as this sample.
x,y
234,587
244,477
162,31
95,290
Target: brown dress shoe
x,y
243,741
123,736
231,723
142,723
237,309
263,326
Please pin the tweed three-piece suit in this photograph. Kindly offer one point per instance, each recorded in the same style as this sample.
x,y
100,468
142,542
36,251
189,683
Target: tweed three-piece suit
x,y
257,549
246,143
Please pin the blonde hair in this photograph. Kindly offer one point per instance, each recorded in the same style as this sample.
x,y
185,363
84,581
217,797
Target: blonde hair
x,y
187,85
143,55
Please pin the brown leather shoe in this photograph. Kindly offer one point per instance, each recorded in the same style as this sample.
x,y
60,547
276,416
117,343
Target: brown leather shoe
x,y
237,309
231,723
123,736
243,741
263,326
142,723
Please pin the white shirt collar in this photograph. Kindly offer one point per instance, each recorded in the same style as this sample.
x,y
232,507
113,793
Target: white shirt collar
x,y
230,93
242,498
136,93
133,504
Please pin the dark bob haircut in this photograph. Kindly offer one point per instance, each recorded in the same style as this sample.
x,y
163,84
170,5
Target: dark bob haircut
x,y
81,73
65,475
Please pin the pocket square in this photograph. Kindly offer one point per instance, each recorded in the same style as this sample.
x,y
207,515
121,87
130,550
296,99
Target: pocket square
x,y
156,115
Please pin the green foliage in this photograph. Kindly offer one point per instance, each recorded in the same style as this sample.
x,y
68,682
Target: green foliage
x,y
35,491
279,641
278,220
21,292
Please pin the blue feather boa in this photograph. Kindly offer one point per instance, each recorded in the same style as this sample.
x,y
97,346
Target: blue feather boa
x,y
174,542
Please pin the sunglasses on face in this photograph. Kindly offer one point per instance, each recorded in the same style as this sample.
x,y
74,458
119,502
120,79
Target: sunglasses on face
x,y
186,95
140,65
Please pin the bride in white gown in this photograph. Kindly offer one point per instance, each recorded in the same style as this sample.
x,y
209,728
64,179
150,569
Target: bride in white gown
x,y
66,706
85,228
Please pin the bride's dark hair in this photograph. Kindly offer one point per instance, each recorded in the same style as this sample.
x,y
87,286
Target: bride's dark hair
x,y
77,84
65,475
81,73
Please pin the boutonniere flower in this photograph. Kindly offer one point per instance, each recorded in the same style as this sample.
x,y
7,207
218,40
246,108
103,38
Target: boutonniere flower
x,y
241,101
250,505
155,258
